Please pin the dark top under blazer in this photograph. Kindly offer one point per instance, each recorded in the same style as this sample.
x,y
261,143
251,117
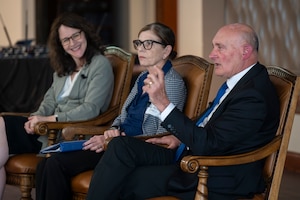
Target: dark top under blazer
x,y
246,119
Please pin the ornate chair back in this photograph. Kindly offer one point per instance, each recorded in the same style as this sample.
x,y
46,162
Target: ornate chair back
x,y
287,85
197,74
20,169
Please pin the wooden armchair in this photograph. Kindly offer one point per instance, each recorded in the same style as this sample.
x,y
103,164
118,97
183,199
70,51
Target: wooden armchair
x,y
20,169
197,74
288,87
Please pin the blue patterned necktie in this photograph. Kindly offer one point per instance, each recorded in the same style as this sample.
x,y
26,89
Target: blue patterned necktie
x,y
216,101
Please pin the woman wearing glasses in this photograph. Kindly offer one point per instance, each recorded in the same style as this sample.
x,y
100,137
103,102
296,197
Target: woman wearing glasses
x,y
81,89
138,116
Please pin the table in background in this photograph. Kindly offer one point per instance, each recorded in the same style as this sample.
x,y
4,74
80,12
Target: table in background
x,y
23,83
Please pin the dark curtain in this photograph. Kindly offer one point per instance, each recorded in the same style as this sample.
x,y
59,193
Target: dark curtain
x,y
23,83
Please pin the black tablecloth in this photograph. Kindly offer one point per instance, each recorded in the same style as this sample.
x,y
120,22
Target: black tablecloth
x,y
23,83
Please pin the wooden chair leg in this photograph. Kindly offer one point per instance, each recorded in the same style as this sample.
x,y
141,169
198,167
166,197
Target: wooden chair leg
x,y
202,192
24,181
26,185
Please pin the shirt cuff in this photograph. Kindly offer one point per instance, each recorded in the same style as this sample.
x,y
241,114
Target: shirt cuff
x,y
164,114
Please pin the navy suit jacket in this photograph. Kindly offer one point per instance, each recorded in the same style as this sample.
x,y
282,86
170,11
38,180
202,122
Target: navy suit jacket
x,y
246,120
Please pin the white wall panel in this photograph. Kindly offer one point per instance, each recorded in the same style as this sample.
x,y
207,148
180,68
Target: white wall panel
x,y
14,13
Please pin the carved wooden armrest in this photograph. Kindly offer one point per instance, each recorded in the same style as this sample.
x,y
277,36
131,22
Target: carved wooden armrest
x,y
192,164
43,128
71,131
14,114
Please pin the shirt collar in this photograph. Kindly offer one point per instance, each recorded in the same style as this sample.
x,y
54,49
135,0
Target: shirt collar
x,y
231,82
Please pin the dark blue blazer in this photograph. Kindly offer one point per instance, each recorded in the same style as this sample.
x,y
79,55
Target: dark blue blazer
x,y
246,120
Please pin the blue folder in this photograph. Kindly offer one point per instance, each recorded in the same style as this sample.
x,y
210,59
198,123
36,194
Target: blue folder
x,y
66,146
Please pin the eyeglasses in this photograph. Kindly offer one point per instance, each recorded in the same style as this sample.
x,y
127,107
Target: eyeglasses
x,y
147,44
66,41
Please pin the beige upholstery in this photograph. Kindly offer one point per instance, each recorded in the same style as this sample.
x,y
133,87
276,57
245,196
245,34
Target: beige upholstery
x,y
197,74
20,169
288,87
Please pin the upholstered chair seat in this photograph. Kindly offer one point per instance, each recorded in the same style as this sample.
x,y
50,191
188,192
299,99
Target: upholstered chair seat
x,y
81,182
22,172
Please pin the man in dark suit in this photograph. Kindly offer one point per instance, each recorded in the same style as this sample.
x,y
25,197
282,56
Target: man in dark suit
x,y
245,119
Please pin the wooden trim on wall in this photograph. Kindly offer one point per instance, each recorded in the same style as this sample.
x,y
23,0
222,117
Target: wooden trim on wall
x,y
166,13
292,162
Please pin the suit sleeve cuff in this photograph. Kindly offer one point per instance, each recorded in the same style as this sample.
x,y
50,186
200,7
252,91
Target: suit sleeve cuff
x,y
164,114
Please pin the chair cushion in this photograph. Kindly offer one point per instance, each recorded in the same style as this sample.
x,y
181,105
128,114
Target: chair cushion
x,y
22,163
81,182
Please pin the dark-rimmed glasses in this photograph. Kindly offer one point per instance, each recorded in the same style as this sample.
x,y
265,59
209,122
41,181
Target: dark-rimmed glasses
x,y
66,41
147,44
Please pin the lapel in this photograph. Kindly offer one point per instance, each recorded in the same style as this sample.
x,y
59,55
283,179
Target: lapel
x,y
79,83
59,84
251,74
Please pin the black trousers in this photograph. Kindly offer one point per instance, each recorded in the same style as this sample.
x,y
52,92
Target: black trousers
x,y
19,141
53,174
123,173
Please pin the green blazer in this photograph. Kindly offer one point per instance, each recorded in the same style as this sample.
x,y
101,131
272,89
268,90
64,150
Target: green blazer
x,y
89,97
